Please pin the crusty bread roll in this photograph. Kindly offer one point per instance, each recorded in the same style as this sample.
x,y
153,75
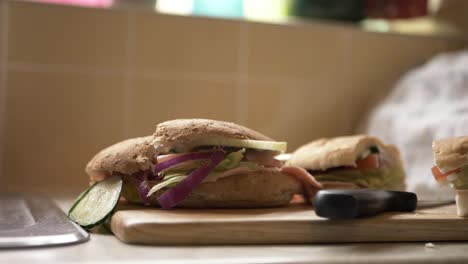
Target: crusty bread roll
x,y
451,153
328,153
259,188
342,152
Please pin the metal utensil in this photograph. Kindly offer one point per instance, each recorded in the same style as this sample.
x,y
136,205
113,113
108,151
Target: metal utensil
x,y
33,220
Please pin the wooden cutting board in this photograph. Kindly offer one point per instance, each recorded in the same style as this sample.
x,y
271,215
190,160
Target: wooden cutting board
x,y
293,224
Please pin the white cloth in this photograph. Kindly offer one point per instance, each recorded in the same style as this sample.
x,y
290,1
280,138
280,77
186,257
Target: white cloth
x,y
430,102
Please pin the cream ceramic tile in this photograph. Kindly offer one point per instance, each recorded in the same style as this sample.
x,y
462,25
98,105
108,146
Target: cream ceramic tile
x,y
156,100
3,30
376,61
456,44
3,51
298,113
55,124
54,34
301,52
2,26
390,51
188,44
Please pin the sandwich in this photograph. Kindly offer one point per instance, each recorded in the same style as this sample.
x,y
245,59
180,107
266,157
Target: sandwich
x,y
451,167
200,163
358,161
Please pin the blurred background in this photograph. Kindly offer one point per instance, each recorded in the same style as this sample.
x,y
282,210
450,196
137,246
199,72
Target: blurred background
x,y
79,75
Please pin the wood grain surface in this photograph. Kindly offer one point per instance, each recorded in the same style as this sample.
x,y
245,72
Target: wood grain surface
x,y
293,224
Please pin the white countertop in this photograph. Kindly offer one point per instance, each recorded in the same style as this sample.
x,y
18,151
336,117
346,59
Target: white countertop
x,y
106,248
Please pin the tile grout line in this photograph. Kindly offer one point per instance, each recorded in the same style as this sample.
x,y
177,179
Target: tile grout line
x,y
92,70
129,74
153,73
157,74
345,60
63,68
3,78
242,79
242,75
344,74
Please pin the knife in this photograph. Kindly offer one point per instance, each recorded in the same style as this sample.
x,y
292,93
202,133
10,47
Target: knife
x,y
355,203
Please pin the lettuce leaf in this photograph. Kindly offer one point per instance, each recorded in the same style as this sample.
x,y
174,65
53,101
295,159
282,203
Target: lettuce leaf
x,y
232,160
461,182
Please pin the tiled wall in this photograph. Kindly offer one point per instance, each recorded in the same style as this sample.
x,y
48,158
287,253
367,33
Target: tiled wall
x,y
74,80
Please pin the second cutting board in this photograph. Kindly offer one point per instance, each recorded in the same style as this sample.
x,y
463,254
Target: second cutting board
x,y
293,224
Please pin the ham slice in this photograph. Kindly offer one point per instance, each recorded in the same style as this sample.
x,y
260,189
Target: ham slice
x,y
310,185
302,175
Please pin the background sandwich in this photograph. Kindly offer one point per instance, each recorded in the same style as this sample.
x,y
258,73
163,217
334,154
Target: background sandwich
x,y
451,159
202,163
358,161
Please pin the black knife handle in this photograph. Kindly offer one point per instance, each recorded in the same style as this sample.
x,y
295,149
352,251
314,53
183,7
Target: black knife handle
x,y
353,203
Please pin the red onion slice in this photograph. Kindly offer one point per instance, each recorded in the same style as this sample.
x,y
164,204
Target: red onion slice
x,y
179,192
183,158
143,189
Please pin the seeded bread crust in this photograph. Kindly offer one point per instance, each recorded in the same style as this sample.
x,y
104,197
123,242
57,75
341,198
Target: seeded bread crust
x,y
450,153
126,157
178,134
329,153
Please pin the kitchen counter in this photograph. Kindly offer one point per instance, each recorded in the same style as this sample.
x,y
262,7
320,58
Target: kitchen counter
x,y
105,248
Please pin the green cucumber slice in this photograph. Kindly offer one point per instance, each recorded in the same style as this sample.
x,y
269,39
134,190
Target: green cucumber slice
x,y
241,143
97,203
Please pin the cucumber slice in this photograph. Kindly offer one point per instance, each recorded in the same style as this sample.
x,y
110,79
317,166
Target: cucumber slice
x,y
241,143
97,203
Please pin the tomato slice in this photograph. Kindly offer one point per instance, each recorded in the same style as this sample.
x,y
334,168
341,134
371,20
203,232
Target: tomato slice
x,y
439,176
369,163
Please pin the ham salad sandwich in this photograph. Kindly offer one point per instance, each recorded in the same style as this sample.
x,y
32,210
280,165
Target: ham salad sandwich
x,y
191,163
451,166
358,161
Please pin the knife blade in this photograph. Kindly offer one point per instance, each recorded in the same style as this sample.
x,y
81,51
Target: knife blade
x,y
29,220
434,203
355,203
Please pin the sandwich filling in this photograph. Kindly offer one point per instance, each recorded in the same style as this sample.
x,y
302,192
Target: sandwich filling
x,y
457,178
175,175
451,162
373,169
